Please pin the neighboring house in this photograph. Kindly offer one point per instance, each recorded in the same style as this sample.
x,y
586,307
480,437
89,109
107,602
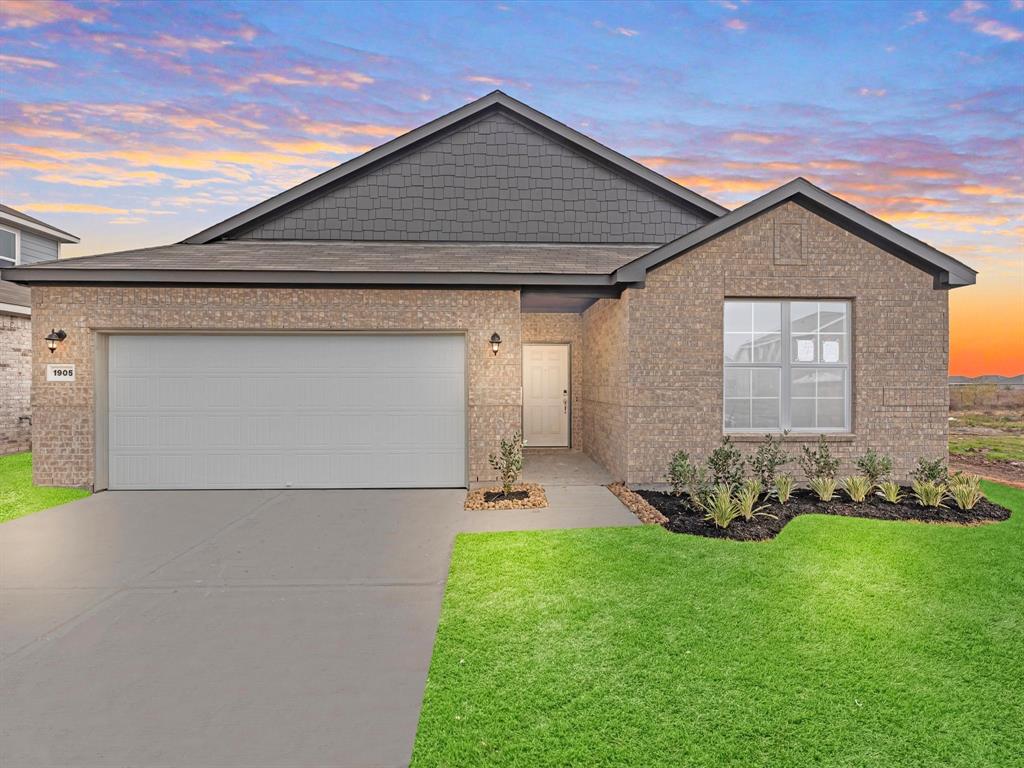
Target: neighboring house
x,y
340,333
23,240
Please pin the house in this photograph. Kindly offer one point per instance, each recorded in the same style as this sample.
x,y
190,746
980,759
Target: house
x,y
23,240
384,324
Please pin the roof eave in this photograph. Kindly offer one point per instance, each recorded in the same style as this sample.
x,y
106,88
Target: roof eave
x,y
70,275
40,229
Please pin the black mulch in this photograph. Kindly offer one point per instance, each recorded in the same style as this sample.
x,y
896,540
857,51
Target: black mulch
x,y
490,496
685,518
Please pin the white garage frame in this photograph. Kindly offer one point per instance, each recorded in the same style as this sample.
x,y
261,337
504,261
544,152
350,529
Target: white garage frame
x,y
101,387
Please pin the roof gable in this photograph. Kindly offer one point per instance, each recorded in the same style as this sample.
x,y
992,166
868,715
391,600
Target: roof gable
x,y
515,173
948,272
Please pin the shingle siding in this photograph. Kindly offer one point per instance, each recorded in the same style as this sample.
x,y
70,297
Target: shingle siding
x,y
492,180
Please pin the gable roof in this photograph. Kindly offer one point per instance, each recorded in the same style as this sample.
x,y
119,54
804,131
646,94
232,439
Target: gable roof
x,y
21,220
494,101
948,272
14,298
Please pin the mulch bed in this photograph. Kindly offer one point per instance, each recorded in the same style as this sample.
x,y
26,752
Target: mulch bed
x,y
682,517
523,496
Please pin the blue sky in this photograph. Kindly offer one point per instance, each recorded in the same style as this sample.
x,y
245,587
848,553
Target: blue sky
x,y
134,123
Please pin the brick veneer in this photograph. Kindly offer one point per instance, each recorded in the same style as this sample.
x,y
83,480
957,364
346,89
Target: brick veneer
x,y
64,430
563,328
674,350
606,383
15,383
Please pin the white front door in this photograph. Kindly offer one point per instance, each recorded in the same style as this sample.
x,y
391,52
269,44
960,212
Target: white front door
x,y
546,395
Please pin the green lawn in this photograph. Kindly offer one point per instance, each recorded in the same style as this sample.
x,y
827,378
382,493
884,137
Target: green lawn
x,y
996,447
843,642
18,497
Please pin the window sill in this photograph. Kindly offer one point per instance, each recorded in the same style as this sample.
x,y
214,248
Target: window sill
x,y
799,437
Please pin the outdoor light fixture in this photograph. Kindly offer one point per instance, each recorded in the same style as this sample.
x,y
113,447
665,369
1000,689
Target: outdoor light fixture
x,y
495,341
55,337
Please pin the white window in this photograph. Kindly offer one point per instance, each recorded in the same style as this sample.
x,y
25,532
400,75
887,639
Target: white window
x,y
787,366
9,247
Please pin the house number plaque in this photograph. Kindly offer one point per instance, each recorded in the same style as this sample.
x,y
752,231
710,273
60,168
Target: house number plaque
x,y
65,372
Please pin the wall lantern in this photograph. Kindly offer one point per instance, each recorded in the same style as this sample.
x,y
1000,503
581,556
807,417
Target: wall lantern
x,y
54,338
495,341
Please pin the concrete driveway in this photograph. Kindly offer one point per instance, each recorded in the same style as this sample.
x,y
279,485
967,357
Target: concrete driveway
x,y
233,628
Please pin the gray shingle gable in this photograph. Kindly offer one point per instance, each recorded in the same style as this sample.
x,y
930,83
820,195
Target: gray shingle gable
x,y
495,180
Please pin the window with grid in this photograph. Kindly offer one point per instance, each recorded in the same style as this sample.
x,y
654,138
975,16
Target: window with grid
x,y
8,247
786,366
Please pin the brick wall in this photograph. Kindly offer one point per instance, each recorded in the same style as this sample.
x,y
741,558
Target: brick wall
x,y
606,341
900,340
63,428
563,328
492,180
15,383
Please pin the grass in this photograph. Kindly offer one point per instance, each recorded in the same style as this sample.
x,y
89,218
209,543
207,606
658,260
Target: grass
x,y
1007,421
995,447
18,497
843,642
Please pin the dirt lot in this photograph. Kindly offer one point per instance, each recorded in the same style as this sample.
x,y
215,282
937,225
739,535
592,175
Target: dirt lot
x,y
988,442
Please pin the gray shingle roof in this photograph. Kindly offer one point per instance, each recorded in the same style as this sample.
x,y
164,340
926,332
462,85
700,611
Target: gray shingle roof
x,y
363,256
6,209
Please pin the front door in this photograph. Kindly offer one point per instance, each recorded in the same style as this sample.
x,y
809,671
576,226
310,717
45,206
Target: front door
x,y
546,395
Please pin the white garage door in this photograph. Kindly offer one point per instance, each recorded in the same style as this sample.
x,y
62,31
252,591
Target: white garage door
x,y
351,411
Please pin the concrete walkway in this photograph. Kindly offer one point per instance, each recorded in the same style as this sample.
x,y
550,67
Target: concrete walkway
x,y
233,628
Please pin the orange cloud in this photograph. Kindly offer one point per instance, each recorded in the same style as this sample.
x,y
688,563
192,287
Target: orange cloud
x,y
341,129
11,63
310,147
70,208
25,14
922,173
753,137
987,190
737,25
302,76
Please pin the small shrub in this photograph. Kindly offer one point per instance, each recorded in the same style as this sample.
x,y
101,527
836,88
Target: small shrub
x,y
876,467
725,464
685,476
890,491
929,493
930,471
818,462
767,459
824,487
719,506
784,487
857,487
509,462
747,498
965,490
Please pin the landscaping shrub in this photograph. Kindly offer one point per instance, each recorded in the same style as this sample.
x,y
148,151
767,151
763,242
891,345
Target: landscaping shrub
x,y
726,464
747,497
929,493
818,462
930,471
767,459
876,467
965,490
890,491
784,487
857,487
508,463
824,487
719,506
685,476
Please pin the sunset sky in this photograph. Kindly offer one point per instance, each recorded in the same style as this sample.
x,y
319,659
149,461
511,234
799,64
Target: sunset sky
x,y
134,124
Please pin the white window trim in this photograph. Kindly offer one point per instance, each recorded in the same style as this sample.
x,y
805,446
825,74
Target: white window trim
x,y
785,367
17,246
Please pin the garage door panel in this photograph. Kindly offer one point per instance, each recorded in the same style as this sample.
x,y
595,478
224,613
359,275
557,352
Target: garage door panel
x,y
287,411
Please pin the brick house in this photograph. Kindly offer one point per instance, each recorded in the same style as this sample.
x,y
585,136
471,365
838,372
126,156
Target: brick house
x,y
387,322
23,240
